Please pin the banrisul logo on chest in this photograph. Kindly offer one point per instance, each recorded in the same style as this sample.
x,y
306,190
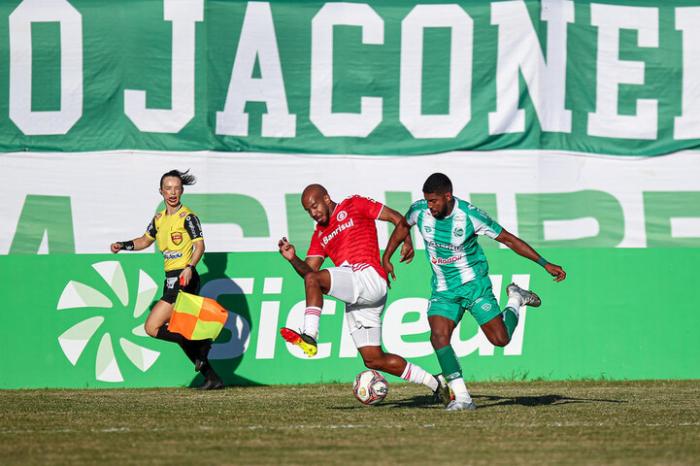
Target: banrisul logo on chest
x,y
96,313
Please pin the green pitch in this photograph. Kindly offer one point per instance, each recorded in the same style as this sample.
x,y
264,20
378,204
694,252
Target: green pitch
x,y
656,422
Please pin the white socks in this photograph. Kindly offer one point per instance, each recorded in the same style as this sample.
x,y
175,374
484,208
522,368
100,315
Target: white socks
x,y
417,374
514,303
460,390
312,315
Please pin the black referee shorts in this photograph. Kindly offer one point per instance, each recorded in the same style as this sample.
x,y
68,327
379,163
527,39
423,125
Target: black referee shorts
x,y
171,285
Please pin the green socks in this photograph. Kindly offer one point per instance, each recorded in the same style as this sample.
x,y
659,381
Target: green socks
x,y
510,320
449,363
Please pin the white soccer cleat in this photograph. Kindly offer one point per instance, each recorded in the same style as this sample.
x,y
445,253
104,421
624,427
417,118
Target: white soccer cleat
x,y
460,406
527,298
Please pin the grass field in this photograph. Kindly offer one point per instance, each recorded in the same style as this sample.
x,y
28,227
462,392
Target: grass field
x,y
655,422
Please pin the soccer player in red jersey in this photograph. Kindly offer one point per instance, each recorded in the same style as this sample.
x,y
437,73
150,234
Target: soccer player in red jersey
x,y
346,232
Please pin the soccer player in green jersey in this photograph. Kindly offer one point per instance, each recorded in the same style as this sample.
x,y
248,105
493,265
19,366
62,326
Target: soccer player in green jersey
x,y
460,281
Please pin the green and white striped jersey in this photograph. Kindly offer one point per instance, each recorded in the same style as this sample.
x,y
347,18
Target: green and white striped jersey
x,y
450,243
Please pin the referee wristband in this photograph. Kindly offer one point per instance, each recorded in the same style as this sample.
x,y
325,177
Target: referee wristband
x,y
127,245
542,261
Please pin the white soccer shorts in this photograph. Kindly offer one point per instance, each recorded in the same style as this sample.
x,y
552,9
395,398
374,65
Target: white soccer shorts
x,y
363,291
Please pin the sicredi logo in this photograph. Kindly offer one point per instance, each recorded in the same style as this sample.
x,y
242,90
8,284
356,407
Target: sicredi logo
x,y
75,339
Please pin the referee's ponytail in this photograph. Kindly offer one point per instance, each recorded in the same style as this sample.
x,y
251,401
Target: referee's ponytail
x,y
185,177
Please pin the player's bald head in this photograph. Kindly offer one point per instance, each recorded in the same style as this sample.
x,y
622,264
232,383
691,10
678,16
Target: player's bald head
x,y
315,191
316,201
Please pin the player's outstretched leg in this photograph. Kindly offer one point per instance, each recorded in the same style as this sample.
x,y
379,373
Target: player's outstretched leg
x,y
315,285
375,358
499,330
517,297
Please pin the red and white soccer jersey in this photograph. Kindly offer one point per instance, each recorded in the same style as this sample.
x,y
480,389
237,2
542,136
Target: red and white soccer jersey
x,y
351,235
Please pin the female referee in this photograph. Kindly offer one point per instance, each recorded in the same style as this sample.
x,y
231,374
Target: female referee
x,y
179,235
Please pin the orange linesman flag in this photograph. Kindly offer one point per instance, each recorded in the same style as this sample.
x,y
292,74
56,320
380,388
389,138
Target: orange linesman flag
x,y
197,318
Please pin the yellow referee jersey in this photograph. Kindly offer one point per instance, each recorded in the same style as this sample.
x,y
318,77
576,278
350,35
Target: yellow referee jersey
x,y
175,234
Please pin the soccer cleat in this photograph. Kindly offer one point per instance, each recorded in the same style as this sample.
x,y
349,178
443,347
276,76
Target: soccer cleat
x,y
214,383
460,406
305,342
442,394
527,298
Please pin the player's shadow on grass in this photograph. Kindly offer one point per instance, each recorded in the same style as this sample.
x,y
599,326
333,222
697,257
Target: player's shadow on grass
x,y
228,350
420,401
484,401
488,401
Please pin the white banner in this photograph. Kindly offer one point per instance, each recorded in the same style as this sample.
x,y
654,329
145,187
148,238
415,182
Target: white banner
x,y
112,196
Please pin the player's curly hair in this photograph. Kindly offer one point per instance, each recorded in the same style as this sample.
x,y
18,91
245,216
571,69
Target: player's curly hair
x,y
186,178
437,183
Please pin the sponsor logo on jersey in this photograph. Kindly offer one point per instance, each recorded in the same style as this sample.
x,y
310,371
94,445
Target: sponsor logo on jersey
x,y
176,237
172,254
194,228
343,226
458,232
450,247
342,215
445,260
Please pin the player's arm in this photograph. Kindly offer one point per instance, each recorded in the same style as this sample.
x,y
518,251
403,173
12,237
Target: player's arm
x,y
399,235
193,227
302,267
139,243
135,244
521,247
390,215
197,253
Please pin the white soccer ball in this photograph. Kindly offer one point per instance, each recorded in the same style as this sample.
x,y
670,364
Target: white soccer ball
x,y
370,387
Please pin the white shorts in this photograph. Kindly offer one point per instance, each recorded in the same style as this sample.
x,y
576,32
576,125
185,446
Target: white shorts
x,y
364,294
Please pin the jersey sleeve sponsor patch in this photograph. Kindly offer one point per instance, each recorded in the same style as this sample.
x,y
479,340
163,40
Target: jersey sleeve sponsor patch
x,y
151,230
193,227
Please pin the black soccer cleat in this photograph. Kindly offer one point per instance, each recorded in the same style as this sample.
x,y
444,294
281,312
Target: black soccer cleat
x,y
442,394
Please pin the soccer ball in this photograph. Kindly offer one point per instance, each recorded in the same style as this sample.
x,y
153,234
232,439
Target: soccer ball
x,y
370,387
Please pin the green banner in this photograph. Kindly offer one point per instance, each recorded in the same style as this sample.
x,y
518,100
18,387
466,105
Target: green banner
x,y
76,321
381,77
